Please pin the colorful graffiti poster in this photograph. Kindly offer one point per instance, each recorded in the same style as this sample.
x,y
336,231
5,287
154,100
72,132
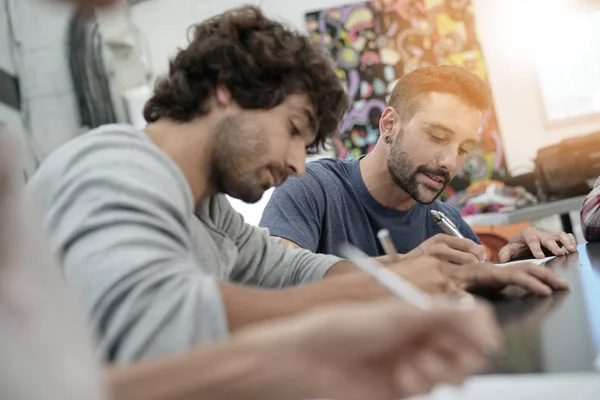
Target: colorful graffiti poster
x,y
373,43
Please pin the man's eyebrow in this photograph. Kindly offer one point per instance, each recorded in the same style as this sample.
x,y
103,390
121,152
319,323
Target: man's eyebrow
x,y
438,126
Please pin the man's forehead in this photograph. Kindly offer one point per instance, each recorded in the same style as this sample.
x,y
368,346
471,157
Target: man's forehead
x,y
464,128
299,102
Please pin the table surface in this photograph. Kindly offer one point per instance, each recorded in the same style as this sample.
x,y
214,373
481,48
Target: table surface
x,y
530,213
560,333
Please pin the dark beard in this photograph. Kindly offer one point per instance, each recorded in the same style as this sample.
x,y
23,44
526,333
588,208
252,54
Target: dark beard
x,y
403,174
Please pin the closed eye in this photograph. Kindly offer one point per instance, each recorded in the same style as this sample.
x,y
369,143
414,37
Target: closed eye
x,y
437,139
294,129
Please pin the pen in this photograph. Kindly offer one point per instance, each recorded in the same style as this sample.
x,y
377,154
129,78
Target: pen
x,y
385,278
387,244
448,226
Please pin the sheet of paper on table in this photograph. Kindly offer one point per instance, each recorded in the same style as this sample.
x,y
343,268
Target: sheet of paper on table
x,y
571,386
537,261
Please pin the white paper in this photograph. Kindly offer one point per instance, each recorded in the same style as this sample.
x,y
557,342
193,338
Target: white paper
x,y
571,386
537,261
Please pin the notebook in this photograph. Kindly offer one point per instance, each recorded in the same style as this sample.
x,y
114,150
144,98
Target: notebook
x,y
537,261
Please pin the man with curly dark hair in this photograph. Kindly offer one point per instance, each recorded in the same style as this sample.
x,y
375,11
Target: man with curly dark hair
x,y
268,92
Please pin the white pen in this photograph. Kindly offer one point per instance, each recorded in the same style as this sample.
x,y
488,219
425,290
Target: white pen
x,y
384,277
388,246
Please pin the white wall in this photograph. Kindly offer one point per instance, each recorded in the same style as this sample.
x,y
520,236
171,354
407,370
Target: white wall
x,y
508,30
164,22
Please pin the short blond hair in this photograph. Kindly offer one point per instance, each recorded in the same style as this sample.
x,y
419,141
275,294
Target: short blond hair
x,y
408,92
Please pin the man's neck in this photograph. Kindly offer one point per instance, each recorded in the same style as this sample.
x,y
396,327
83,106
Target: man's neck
x,y
380,184
189,149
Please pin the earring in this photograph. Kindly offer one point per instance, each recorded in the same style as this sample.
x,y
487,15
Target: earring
x,y
387,139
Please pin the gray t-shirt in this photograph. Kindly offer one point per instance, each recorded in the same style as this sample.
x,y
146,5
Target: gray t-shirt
x,y
144,259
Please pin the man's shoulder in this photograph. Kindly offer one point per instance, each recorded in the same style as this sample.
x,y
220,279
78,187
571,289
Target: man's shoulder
x,y
326,181
106,134
328,170
105,149
113,158
328,164
112,139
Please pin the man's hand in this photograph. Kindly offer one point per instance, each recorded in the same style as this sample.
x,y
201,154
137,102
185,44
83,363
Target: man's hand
x,y
451,249
488,277
427,273
532,241
378,351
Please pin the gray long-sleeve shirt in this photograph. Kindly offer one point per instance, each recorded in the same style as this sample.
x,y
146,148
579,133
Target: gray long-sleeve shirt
x,y
143,258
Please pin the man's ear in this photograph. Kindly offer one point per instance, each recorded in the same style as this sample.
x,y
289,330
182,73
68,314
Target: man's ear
x,y
387,121
223,96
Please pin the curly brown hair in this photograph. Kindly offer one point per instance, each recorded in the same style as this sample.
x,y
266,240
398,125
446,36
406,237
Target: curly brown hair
x,y
260,61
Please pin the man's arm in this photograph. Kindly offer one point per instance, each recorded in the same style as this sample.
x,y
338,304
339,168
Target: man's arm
x,y
590,214
246,305
227,370
345,267
287,242
263,260
323,354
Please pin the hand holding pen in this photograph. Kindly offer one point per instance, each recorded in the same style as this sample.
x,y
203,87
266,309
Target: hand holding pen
x,y
451,247
460,243
403,284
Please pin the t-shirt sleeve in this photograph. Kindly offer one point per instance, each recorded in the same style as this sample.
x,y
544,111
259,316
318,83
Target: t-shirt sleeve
x,y
296,210
118,217
467,231
262,260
